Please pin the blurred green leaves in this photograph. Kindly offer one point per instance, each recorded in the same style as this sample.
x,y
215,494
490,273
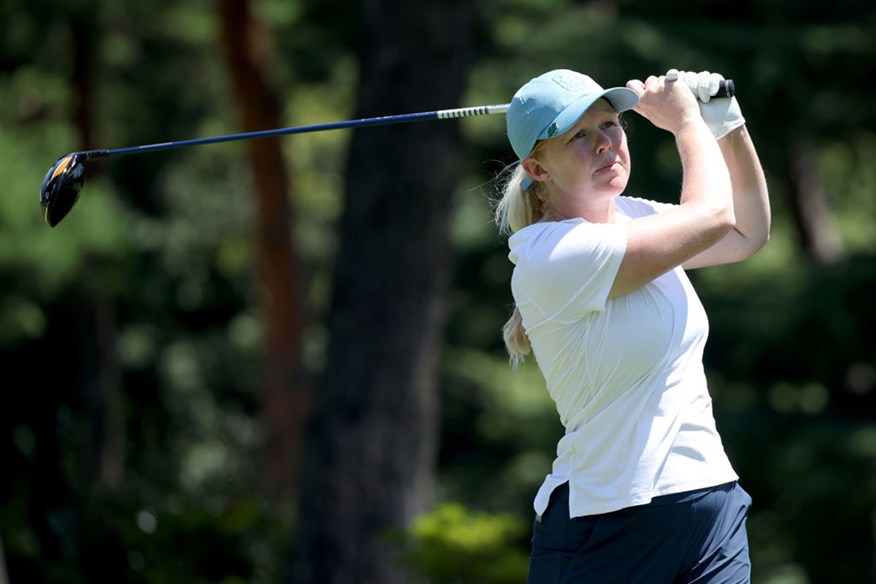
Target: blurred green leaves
x,y
165,241
456,545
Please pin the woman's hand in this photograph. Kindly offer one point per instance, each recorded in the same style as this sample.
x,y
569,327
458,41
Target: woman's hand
x,y
668,104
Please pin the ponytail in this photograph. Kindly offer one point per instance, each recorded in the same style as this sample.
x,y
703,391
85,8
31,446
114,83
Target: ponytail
x,y
517,208
516,340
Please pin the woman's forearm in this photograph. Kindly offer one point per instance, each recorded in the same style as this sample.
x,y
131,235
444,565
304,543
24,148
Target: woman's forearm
x,y
750,195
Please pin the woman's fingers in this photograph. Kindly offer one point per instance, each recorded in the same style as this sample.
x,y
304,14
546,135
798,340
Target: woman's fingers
x,y
636,85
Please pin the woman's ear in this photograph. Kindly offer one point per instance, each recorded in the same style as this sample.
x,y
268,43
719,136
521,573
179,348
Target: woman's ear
x,y
535,169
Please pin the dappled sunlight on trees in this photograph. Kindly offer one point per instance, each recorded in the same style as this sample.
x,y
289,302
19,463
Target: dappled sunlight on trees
x,y
135,334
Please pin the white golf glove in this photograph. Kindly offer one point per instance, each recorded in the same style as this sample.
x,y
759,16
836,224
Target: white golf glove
x,y
721,114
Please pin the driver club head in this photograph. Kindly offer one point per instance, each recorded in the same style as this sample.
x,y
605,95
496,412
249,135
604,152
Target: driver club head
x,y
60,189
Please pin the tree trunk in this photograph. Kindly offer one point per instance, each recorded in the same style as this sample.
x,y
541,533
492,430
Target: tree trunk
x,y
817,231
100,388
371,452
96,325
285,397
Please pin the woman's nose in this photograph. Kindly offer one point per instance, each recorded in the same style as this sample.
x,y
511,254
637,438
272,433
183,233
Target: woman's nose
x,y
603,142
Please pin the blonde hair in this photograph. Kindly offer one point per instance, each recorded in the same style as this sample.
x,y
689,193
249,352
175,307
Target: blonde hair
x,y
516,208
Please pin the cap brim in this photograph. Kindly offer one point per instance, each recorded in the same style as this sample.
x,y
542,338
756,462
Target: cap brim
x,y
620,98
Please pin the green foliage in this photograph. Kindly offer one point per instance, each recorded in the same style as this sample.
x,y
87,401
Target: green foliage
x,y
846,165
161,246
454,545
499,432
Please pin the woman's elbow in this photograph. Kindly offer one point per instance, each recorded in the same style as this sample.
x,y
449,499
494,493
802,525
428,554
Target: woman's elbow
x,y
761,233
753,244
724,220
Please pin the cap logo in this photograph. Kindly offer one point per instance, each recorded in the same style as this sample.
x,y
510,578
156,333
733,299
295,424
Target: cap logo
x,y
568,81
552,130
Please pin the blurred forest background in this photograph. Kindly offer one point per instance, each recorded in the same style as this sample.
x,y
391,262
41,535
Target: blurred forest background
x,y
280,360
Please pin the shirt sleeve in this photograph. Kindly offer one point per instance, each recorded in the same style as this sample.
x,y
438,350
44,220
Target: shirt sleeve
x,y
565,270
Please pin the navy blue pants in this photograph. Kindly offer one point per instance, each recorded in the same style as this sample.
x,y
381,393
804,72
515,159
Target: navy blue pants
x,y
696,537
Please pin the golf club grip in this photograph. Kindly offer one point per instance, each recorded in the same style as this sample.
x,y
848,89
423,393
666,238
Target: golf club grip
x,y
726,88
465,112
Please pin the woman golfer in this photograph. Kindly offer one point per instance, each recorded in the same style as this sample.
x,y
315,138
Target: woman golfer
x,y
641,490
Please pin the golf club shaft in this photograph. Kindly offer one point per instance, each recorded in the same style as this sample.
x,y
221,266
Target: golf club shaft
x,y
727,89
378,121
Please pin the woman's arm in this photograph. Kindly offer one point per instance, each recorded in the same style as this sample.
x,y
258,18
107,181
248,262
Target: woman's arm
x,y
661,242
750,204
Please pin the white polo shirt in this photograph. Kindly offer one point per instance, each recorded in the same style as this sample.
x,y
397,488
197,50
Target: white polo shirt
x,y
626,374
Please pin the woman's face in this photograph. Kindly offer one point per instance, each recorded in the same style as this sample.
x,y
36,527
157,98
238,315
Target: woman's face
x,y
590,159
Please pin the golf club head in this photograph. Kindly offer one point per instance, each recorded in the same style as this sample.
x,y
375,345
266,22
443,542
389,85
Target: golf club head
x,y
61,187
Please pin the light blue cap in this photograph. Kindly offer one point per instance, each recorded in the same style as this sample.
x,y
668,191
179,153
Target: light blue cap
x,y
550,104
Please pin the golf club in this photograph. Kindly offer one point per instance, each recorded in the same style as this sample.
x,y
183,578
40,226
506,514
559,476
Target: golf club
x,y
65,179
